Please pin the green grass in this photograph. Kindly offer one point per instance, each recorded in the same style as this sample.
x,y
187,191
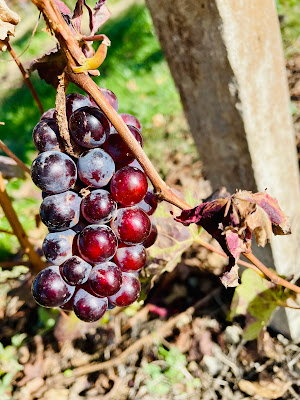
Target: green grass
x,y
289,11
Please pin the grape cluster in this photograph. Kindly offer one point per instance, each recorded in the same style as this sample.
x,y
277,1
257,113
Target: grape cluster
x,y
96,208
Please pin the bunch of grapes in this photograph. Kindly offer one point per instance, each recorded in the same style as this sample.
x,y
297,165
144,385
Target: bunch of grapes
x,y
96,208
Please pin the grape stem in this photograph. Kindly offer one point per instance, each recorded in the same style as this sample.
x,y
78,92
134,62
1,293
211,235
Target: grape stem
x,y
70,45
5,202
25,75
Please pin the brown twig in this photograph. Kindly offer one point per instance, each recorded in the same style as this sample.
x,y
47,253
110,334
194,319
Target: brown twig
x,y
25,75
2,123
34,258
270,274
12,155
7,232
73,53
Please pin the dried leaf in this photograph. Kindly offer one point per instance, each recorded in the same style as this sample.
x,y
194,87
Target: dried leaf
x,y
232,220
63,8
101,15
50,66
231,278
77,15
8,20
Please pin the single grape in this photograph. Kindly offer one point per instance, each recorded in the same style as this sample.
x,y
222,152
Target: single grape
x,y
75,271
60,211
118,149
129,292
68,306
151,238
129,186
105,279
75,101
45,135
98,207
95,168
49,114
130,258
57,246
89,127
131,120
131,225
149,203
109,96
49,289
53,172
97,243
87,307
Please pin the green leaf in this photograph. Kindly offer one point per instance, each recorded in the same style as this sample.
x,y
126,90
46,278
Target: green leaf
x,y
159,388
153,370
256,298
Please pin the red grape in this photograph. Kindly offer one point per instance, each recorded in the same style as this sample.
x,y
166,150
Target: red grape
x,y
95,168
57,246
97,243
118,149
87,307
151,238
129,292
129,186
75,101
53,172
109,96
89,127
105,279
60,211
45,135
49,289
149,203
75,271
49,114
131,258
131,225
98,207
131,120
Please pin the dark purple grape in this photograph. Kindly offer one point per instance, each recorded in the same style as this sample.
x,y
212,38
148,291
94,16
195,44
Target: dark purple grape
x,y
60,211
118,149
53,172
49,289
151,238
131,258
57,246
98,207
131,225
89,127
129,292
87,307
68,306
49,114
105,279
97,243
149,203
131,120
109,96
75,271
129,186
45,135
75,101
95,168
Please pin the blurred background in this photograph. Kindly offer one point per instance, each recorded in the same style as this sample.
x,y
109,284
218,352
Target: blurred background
x,y
205,356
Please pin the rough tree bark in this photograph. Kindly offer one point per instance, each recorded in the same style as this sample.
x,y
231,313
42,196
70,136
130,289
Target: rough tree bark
x,y
227,62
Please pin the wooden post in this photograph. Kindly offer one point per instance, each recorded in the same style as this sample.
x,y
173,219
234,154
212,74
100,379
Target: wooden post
x,y
227,62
